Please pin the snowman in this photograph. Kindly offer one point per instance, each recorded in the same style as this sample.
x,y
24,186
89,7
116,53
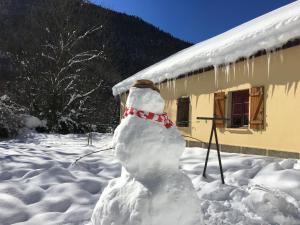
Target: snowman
x,y
151,189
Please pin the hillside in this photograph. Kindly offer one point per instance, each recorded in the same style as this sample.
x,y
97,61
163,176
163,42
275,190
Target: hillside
x,y
60,58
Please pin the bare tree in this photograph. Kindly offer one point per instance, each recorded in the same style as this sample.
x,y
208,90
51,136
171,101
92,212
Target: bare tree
x,y
55,75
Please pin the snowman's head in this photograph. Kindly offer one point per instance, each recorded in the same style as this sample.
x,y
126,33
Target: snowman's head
x,y
146,98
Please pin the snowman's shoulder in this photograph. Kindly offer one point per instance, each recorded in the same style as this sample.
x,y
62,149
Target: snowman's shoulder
x,y
133,124
137,127
174,130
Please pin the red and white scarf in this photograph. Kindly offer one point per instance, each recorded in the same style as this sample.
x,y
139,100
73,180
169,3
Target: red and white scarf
x,y
158,118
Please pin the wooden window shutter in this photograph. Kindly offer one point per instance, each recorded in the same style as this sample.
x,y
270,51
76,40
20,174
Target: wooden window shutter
x,y
257,108
219,108
183,112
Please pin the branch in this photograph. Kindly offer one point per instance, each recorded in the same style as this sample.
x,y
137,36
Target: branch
x,y
76,96
69,85
84,57
72,76
91,91
81,157
49,57
71,43
76,59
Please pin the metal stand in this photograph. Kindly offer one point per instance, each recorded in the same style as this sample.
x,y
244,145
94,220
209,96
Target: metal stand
x,y
213,131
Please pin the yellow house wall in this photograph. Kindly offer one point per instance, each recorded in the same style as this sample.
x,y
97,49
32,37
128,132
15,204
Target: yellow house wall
x,y
278,72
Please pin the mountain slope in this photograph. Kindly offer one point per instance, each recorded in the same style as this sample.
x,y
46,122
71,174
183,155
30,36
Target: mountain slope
x,y
60,50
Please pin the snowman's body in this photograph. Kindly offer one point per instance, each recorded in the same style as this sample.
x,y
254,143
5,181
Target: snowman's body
x,y
151,190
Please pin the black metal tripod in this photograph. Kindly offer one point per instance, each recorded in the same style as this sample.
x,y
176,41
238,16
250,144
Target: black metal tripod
x,y
213,131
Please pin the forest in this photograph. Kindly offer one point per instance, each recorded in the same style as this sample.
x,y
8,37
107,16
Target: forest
x,y
59,60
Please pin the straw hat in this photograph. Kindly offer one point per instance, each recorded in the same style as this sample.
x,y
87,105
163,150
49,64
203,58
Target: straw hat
x,y
145,84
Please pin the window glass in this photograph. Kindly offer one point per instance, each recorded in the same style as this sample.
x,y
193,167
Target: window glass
x,y
240,108
183,105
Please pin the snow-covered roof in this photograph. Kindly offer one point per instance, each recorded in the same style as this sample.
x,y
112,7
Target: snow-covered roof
x,y
266,32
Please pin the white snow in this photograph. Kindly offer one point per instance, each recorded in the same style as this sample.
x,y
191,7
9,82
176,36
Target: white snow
x,y
266,32
4,98
32,122
257,190
39,184
138,97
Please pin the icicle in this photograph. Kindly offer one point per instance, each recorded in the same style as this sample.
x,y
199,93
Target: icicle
x,y
185,82
281,56
120,98
223,70
248,67
171,85
227,71
269,62
174,86
252,66
234,70
216,75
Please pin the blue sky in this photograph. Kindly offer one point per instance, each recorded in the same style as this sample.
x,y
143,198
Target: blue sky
x,y
194,20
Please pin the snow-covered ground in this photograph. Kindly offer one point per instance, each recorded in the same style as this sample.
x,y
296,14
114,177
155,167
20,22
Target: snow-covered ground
x,y
39,184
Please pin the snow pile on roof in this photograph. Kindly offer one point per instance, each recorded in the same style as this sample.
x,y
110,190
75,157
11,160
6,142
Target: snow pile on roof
x,y
267,32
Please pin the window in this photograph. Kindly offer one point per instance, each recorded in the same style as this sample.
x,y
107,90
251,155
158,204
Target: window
x,y
183,110
244,108
240,108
